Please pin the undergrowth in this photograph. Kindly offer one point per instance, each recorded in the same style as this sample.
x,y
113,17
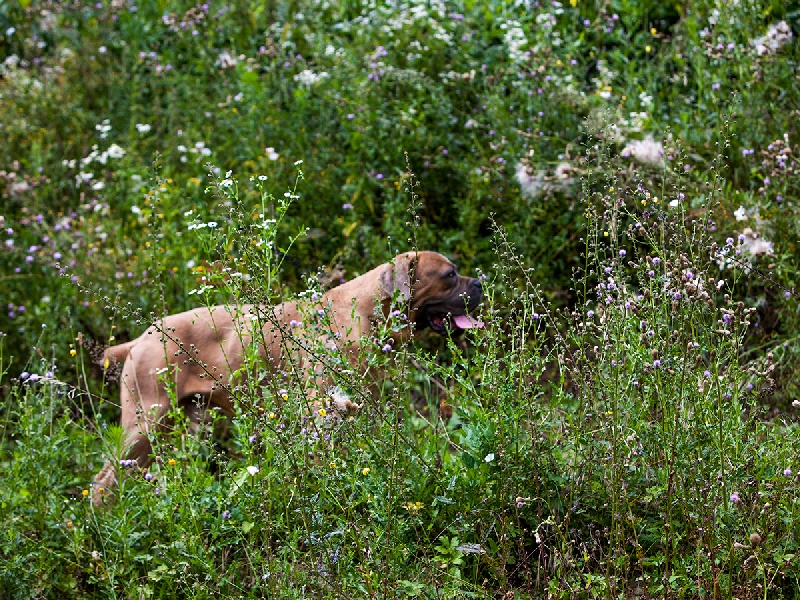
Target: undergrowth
x,y
613,449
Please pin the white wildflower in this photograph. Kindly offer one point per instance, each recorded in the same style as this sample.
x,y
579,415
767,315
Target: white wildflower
x,y
115,151
754,244
341,400
309,78
530,186
515,40
271,154
19,187
777,35
104,128
226,61
563,171
740,214
489,457
201,148
252,469
142,127
646,151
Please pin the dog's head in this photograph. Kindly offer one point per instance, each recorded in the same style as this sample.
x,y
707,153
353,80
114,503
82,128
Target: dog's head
x,y
438,296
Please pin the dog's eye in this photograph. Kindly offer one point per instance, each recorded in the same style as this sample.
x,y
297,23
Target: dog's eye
x,y
451,274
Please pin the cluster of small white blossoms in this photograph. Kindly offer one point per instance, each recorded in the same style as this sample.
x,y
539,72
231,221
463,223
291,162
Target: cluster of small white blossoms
x,y
390,18
114,151
646,151
227,61
546,26
309,78
515,40
602,82
777,36
750,245
199,148
11,69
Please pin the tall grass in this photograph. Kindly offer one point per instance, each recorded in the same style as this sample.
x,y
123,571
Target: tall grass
x,y
625,176
608,450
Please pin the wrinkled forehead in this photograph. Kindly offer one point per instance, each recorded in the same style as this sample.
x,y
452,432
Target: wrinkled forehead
x,y
434,262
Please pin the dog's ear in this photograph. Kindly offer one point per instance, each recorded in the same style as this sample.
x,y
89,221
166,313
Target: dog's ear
x,y
398,276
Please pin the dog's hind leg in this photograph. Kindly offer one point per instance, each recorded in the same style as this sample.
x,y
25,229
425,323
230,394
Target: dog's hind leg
x,y
144,402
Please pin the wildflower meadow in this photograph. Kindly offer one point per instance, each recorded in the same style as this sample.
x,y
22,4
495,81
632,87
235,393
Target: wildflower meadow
x,y
623,178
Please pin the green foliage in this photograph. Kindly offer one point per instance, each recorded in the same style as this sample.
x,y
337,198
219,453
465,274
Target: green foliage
x,y
625,174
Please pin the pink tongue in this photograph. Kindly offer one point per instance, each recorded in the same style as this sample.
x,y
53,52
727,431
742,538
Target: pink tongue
x,y
465,322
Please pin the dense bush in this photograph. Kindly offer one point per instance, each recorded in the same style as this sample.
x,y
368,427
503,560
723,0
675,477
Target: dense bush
x,y
624,173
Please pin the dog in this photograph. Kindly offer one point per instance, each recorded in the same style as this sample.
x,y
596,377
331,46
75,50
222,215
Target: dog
x,y
201,352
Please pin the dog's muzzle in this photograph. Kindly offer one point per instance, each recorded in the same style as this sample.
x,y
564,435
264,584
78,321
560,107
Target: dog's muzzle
x,y
451,316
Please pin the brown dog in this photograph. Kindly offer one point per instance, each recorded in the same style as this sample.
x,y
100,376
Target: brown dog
x,y
200,352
